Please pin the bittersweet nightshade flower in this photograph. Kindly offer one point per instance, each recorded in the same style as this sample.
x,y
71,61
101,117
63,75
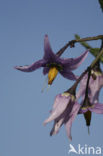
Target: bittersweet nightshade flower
x,y
64,111
52,64
91,103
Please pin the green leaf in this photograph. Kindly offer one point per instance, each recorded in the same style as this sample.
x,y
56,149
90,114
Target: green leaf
x,y
93,51
101,4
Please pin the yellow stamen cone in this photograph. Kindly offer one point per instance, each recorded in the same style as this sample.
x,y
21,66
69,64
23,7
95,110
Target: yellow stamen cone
x,y
52,74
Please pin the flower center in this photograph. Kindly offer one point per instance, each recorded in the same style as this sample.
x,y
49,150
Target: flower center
x,y
53,64
53,71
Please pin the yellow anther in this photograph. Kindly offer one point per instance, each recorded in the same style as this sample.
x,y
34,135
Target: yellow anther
x,y
52,74
66,94
97,73
84,108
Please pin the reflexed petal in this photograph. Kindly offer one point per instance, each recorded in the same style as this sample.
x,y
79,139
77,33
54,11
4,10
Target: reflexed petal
x,y
82,87
61,104
30,68
48,53
73,114
56,126
98,108
94,97
75,109
68,128
56,101
69,75
72,64
94,86
80,93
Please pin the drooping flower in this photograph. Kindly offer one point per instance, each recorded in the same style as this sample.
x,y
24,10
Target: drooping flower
x,y
91,104
52,64
64,111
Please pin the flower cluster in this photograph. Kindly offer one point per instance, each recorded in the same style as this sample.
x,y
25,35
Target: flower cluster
x,y
67,105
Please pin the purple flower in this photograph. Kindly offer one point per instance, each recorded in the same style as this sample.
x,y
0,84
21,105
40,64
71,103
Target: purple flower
x,y
52,63
95,85
91,104
64,111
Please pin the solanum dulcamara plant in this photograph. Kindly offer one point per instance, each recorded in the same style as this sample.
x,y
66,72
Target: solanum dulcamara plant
x,y
67,105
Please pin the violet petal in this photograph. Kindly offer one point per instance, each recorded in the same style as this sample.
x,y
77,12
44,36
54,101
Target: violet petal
x,y
98,108
73,63
56,126
48,53
69,75
73,114
61,103
30,68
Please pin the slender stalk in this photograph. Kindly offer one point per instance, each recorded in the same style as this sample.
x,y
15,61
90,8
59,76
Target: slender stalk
x,y
72,43
89,38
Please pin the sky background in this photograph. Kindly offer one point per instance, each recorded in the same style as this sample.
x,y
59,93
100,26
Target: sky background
x,y
23,108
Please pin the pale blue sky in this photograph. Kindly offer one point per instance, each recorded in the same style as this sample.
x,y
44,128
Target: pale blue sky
x,y
23,108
